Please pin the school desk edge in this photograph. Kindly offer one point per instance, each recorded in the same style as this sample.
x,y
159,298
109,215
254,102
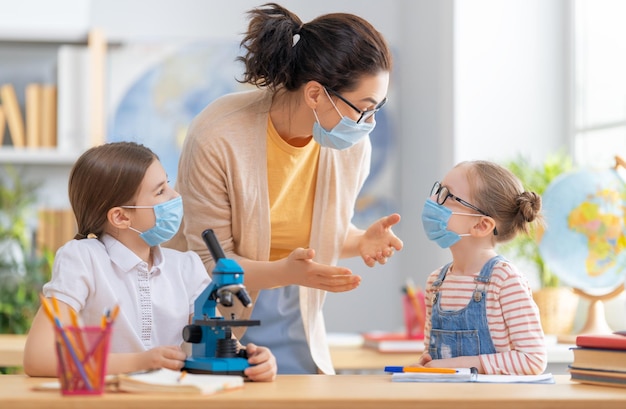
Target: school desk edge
x,y
332,391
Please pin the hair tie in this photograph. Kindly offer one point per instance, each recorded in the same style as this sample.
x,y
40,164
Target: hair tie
x,y
296,35
92,236
296,38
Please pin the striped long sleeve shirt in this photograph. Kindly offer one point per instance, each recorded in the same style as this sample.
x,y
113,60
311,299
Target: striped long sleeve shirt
x,y
512,317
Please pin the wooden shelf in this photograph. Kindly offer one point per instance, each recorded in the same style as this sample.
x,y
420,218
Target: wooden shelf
x,y
44,36
37,157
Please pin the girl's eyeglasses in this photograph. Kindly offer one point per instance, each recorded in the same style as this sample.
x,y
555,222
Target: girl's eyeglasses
x,y
442,193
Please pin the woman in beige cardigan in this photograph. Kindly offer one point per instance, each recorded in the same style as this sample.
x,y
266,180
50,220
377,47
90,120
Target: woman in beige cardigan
x,y
276,171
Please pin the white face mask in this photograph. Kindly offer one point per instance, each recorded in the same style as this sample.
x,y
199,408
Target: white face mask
x,y
345,134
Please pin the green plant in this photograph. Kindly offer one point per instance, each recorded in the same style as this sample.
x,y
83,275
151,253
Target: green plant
x,y
22,271
536,178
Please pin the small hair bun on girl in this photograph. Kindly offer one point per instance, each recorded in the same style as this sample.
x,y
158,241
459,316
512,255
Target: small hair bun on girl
x,y
529,205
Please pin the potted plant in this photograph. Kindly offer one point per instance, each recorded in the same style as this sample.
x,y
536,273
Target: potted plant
x,y
22,271
557,304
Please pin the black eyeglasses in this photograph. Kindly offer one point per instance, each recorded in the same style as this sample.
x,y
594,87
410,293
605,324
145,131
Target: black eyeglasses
x,y
442,194
364,114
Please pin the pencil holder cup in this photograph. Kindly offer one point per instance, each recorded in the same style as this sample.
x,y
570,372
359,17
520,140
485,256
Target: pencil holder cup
x,y
82,354
414,316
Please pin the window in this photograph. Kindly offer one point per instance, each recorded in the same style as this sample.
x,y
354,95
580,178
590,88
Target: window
x,y
599,105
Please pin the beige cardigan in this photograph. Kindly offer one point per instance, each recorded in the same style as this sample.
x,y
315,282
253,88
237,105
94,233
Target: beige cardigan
x,y
222,177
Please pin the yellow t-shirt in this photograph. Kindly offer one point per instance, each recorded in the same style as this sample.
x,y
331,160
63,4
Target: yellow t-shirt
x,y
291,179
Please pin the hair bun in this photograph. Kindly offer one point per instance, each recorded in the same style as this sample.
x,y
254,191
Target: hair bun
x,y
529,205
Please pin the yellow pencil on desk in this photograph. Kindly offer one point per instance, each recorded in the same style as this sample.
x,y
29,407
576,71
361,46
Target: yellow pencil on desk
x,y
419,369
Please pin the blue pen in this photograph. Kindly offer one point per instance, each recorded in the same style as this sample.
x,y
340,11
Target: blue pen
x,y
397,369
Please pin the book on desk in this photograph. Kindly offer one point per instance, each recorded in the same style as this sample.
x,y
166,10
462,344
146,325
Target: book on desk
x,y
393,342
164,381
600,359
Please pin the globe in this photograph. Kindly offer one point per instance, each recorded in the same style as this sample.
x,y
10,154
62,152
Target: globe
x,y
585,235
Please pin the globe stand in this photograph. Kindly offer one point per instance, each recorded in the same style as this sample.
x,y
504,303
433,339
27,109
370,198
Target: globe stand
x,y
596,319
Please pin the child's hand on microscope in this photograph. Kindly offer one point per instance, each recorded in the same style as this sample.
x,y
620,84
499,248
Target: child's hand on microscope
x,y
169,357
263,364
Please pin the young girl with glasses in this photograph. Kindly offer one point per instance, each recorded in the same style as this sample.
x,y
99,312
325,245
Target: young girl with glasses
x,y
125,209
479,308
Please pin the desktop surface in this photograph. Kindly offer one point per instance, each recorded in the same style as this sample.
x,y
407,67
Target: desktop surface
x,y
328,391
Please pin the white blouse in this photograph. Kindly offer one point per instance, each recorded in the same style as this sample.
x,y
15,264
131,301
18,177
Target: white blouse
x,y
93,275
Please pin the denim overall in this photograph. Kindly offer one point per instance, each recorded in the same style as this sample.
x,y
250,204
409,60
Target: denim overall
x,y
464,332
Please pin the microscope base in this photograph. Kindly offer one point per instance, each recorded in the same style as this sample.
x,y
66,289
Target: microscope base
x,y
218,366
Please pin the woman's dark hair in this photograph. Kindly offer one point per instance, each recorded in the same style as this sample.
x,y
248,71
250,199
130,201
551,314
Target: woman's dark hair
x,y
104,177
336,50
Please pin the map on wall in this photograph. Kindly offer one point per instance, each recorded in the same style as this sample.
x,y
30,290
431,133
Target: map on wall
x,y
155,90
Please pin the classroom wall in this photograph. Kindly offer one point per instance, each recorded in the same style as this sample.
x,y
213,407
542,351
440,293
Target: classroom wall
x,y
473,79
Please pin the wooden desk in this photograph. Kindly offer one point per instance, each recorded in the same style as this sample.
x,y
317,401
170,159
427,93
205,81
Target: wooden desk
x,y
366,360
346,359
357,359
327,391
11,349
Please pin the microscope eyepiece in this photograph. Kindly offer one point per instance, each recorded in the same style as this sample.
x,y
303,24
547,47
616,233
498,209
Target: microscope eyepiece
x,y
210,239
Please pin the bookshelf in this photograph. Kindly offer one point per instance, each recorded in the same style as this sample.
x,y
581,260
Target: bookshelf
x,y
68,67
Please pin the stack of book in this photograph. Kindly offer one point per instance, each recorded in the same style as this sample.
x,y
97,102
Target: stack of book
x,y
39,129
600,359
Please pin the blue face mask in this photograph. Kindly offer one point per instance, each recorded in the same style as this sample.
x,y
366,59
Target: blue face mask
x,y
435,219
345,134
168,217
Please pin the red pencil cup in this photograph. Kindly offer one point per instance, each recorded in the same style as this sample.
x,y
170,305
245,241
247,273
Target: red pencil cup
x,y
82,354
414,316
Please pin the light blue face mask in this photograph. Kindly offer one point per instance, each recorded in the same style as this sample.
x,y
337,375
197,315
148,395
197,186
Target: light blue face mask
x,y
168,218
435,219
344,135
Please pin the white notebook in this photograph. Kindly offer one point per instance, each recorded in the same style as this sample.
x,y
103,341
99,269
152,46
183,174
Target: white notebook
x,y
166,380
466,375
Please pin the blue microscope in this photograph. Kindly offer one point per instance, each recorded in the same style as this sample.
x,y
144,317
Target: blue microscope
x,y
214,350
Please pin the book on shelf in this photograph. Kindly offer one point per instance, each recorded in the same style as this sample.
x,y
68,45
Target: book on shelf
x,y
33,98
597,377
73,107
48,116
393,342
14,117
3,124
55,227
602,341
469,375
